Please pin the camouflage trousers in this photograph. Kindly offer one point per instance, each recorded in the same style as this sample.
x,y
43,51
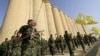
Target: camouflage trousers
x,y
32,51
16,51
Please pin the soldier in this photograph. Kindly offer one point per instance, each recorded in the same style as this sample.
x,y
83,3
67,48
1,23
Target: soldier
x,y
81,41
76,42
61,44
68,41
57,44
36,40
51,44
5,47
27,32
86,40
16,48
90,39
0,50
43,45
72,40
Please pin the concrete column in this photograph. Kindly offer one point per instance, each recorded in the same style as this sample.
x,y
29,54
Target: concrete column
x,y
39,14
58,22
17,15
64,21
68,22
69,31
83,29
86,30
74,25
31,9
80,28
50,18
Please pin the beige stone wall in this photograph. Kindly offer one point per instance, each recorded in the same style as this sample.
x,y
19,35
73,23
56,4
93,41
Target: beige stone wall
x,y
17,14
74,27
48,18
87,31
39,14
63,19
58,22
69,24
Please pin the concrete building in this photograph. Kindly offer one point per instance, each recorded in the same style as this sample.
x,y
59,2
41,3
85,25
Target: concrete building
x,y
49,18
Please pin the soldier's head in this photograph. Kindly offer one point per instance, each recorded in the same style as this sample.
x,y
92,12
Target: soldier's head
x,y
6,39
31,22
50,35
66,32
78,32
59,35
18,34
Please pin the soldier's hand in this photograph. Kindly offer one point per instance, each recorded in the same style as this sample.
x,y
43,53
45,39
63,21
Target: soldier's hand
x,y
33,35
10,51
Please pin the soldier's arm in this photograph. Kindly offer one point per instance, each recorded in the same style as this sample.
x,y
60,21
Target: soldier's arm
x,y
21,30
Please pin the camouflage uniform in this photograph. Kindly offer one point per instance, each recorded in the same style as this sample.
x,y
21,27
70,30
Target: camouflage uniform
x,y
28,45
51,44
69,43
5,47
16,48
61,44
80,40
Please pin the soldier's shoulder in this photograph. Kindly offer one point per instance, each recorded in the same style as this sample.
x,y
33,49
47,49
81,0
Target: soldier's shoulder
x,y
24,26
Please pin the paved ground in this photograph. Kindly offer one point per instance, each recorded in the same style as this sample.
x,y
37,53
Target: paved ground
x,y
94,50
98,53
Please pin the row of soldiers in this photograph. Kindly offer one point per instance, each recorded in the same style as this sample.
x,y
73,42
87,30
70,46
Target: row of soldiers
x,y
28,42
68,42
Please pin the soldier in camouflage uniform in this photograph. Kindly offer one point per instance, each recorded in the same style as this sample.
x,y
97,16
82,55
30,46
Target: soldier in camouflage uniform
x,y
69,43
61,44
27,32
86,40
44,45
51,44
16,48
5,47
57,44
80,40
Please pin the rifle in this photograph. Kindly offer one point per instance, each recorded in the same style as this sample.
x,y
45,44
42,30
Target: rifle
x,y
15,33
22,38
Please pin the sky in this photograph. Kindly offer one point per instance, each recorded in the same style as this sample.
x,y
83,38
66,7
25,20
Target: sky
x,y
70,7
3,7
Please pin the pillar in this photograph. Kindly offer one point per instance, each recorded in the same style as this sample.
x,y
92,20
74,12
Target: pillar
x,y
39,15
68,22
83,29
87,31
50,18
80,29
72,26
64,21
58,22
17,15
75,28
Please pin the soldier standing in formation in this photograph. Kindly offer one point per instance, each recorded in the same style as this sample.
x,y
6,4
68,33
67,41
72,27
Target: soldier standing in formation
x,y
51,44
5,47
68,41
80,40
86,40
28,34
61,44
15,48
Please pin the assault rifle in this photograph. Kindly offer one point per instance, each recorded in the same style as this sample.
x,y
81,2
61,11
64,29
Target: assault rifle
x,y
22,38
